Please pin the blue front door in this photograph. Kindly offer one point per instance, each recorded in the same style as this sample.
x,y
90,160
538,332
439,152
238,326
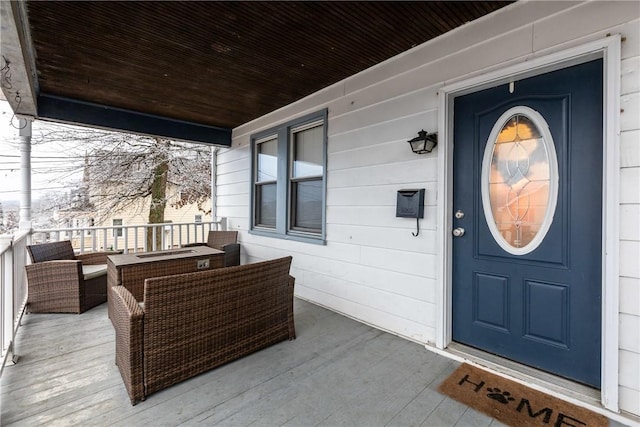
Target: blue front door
x,y
527,208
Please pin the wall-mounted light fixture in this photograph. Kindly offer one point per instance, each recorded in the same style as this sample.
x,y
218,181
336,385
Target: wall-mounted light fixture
x,y
424,142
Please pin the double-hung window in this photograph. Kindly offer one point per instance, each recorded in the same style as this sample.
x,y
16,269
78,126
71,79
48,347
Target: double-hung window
x,y
289,179
117,232
266,183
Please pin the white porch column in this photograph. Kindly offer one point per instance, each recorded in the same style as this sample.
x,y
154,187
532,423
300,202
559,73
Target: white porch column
x,y
25,174
214,177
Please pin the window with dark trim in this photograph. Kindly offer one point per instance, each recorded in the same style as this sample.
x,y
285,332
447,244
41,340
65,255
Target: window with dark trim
x,y
288,176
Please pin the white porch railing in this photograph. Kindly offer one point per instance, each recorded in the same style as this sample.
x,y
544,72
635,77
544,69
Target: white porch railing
x,y
131,238
13,290
127,238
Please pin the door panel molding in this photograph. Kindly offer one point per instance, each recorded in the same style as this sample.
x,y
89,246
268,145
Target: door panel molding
x,y
609,50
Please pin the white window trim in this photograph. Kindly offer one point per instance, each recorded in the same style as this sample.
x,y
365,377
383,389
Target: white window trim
x,y
543,127
608,49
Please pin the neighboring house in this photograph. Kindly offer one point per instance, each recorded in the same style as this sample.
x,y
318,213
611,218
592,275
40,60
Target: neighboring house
x,y
536,171
136,214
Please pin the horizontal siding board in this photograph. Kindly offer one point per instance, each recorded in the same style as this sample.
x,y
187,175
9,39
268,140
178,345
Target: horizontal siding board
x,y
241,164
630,222
630,107
629,296
394,129
631,33
629,256
630,400
629,377
630,75
380,195
386,302
425,99
232,211
233,178
424,168
232,200
630,333
323,254
547,32
419,264
407,285
380,280
236,188
630,185
228,155
379,216
400,326
385,237
389,152
630,149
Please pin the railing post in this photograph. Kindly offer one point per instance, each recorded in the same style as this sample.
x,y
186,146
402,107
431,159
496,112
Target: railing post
x,y
223,224
13,291
82,240
125,234
6,296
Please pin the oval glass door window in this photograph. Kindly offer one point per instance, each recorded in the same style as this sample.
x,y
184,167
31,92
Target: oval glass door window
x,y
519,180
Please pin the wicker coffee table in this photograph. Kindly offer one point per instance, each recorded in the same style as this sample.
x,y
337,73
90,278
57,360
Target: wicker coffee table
x,y
130,270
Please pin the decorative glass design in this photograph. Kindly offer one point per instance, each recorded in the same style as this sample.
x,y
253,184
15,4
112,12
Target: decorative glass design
x,y
519,180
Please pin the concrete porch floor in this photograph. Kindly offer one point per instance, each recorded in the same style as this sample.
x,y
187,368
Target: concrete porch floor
x,y
337,372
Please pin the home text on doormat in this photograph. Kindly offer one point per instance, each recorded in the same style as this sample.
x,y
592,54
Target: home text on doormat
x,y
513,403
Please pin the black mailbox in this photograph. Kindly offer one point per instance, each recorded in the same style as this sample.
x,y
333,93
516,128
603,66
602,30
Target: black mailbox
x,y
410,203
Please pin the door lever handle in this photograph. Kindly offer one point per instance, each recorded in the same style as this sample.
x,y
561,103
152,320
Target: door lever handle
x,y
458,232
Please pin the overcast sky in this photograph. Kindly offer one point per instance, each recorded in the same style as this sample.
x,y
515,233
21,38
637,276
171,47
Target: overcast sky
x,y
44,161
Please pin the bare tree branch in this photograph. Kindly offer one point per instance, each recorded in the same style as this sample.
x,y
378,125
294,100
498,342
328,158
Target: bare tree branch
x,y
120,169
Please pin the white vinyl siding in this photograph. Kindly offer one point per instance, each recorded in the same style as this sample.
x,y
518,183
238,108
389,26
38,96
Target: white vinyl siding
x,y
371,267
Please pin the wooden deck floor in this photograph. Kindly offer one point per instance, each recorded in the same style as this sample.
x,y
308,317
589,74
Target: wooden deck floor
x,y
337,372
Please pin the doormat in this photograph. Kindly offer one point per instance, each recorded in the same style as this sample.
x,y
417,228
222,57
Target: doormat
x,y
512,403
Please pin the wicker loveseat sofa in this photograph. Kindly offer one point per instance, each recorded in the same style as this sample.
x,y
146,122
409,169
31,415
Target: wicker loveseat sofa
x,y
190,323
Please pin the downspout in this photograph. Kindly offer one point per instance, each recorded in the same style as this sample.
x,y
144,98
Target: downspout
x,y
25,175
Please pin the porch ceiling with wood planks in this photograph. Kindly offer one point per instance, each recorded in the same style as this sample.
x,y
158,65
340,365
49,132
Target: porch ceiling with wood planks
x,y
216,64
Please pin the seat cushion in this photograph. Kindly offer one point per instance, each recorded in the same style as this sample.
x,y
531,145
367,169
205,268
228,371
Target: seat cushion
x,y
92,271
